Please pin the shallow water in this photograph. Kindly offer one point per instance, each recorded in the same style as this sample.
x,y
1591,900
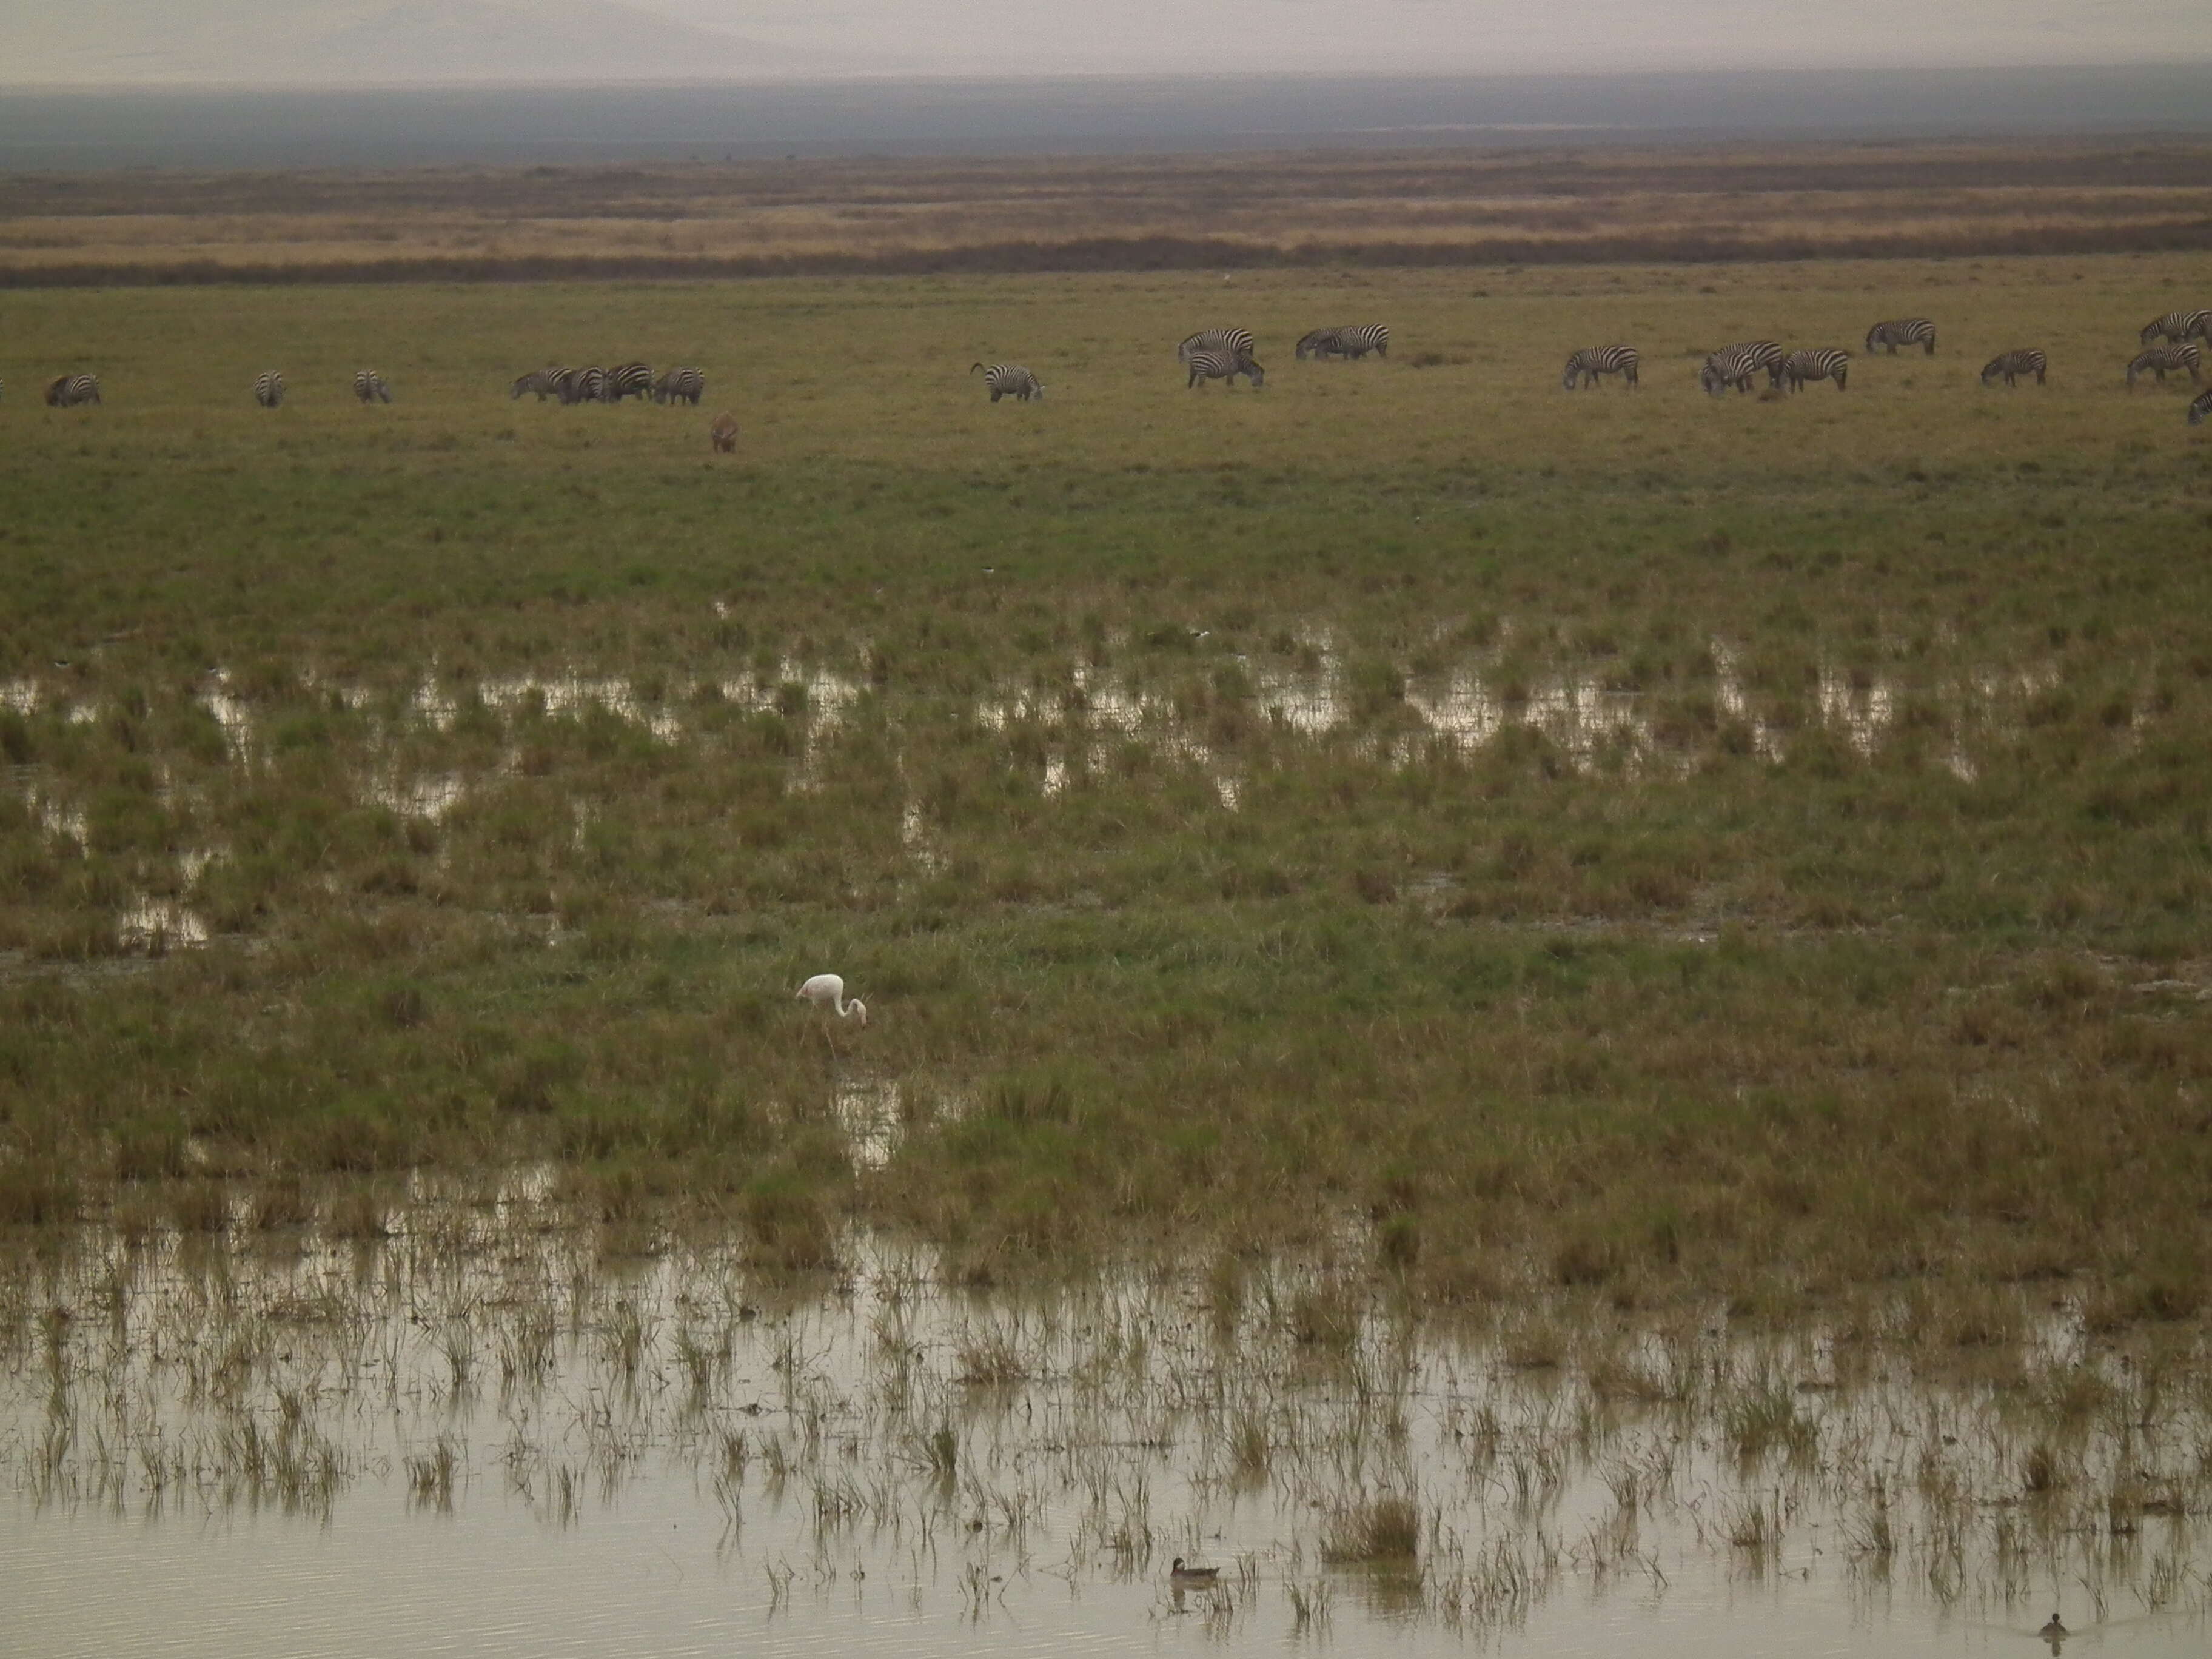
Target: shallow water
x,y
477,1435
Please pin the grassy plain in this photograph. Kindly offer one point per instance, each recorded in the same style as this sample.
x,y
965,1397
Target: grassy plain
x,y
1571,202
1630,842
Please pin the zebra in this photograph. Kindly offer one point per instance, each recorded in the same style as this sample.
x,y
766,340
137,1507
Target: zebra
x,y
1319,343
1905,331
2200,409
1009,380
723,434
1733,366
688,383
1816,363
545,382
1220,366
1234,341
1586,365
1355,341
67,391
269,388
371,388
2014,364
580,385
2178,326
2160,358
630,380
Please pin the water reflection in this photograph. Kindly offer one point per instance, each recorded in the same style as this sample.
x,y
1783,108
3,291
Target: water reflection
x,y
467,1426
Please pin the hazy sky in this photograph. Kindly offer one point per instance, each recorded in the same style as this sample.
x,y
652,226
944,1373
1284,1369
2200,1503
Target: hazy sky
x,y
1466,36
387,40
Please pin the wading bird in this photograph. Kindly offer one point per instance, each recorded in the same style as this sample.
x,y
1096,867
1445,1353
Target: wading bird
x,y
828,991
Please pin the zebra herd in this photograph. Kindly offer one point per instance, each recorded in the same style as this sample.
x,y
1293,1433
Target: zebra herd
x,y
611,386
1212,354
368,385
2169,346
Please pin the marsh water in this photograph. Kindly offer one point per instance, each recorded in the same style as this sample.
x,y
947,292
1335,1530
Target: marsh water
x,y
474,1426
374,127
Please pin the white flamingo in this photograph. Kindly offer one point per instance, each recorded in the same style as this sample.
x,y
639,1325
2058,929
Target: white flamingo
x,y
828,991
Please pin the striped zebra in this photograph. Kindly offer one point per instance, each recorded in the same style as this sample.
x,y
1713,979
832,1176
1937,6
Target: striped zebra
x,y
627,381
1816,363
688,385
1733,366
723,434
67,391
371,388
1206,365
1319,343
545,382
1008,380
2014,364
1356,340
269,388
2160,358
1586,365
2178,325
2200,409
1235,342
1905,331
580,385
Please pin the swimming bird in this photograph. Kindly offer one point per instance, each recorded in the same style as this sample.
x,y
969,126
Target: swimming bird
x,y
828,991
1179,1574
2054,1632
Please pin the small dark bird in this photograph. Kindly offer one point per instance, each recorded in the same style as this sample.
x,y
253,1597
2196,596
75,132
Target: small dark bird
x,y
2053,1632
1179,1574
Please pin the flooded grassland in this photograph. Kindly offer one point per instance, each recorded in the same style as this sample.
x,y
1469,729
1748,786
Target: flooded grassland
x,y
1439,952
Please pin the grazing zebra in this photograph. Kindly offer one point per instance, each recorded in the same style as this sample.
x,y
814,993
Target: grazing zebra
x,y
1236,343
2200,408
2014,364
688,383
67,391
2178,325
1816,363
1356,340
723,434
1733,366
1586,365
580,385
545,382
370,387
2160,358
269,388
1319,343
1009,380
1905,331
630,380
1220,366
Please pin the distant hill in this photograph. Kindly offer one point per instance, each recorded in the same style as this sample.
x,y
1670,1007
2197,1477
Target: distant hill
x,y
110,42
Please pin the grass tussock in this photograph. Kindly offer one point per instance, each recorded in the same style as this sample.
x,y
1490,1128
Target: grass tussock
x,y
1384,1530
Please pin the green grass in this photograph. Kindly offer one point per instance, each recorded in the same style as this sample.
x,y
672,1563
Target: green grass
x,y
1737,999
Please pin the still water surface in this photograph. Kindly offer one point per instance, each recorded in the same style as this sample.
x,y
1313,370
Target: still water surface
x,y
498,1442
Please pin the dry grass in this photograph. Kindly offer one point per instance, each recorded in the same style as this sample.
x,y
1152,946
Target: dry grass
x,y
1424,207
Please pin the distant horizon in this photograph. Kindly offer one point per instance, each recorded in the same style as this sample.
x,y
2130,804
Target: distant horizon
x,y
261,85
